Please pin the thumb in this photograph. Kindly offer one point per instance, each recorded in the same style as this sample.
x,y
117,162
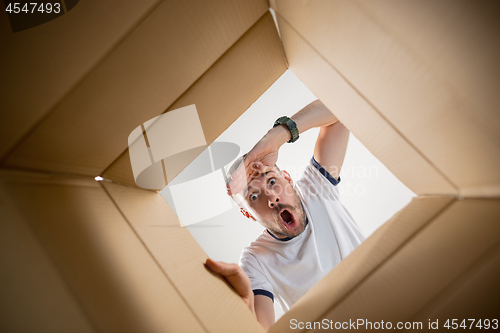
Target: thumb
x,y
222,268
235,276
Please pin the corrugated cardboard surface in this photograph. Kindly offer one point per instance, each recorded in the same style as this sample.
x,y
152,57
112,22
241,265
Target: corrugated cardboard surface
x,y
370,256
415,261
40,66
138,80
113,257
465,233
473,295
362,119
401,67
414,81
119,262
34,297
113,277
227,89
182,260
98,267
121,170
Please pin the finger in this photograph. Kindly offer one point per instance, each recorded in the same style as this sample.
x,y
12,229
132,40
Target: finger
x,y
266,168
233,274
212,265
241,168
256,167
238,183
238,178
222,268
245,165
236,186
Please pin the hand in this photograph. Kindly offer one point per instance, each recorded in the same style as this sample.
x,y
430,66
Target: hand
x,y
262,157
233,274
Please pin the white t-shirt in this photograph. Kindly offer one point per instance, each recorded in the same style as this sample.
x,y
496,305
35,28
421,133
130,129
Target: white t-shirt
x,y
288,268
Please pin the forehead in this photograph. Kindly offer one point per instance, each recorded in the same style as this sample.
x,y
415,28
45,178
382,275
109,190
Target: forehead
x,y
255,183
260,180
257,180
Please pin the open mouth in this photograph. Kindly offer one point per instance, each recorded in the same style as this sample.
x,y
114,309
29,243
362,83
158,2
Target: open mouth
x,y
287,219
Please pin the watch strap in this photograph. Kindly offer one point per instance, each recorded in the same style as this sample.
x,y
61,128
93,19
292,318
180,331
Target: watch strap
x,y
291,125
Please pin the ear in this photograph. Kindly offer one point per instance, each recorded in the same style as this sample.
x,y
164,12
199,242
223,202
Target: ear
x,y
287,176
247,214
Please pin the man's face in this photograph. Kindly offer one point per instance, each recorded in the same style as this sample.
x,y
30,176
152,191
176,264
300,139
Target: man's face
x,y
271,200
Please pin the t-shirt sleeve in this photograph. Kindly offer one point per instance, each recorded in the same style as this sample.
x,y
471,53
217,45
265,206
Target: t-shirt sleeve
x,y
317,181
253,269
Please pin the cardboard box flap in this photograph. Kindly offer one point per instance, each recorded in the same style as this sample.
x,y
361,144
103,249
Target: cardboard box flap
x,y
429,71
216,305
383,140
146,72
366,259
40,302
473,295
444,250
226,90
107,268
120,171
41,65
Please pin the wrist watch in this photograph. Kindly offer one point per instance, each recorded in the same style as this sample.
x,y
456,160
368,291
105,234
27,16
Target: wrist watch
x,y
291,125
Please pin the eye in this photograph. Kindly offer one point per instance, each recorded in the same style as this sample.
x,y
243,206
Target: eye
x,y
253,197
272,181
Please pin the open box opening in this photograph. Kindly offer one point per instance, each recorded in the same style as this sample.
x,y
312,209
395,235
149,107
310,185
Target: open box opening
x,y
368,190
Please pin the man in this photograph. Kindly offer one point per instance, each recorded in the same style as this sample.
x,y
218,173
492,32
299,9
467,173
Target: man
x,y
308,230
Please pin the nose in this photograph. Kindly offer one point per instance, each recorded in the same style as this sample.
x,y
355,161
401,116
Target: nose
x,y
272,200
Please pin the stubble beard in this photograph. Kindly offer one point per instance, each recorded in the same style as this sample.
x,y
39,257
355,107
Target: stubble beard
x,y
297,209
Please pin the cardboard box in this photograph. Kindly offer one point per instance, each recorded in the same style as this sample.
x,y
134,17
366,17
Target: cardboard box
x,y
415,81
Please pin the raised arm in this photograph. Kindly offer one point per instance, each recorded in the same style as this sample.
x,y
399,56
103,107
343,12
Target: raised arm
x,y
329,151
331,146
